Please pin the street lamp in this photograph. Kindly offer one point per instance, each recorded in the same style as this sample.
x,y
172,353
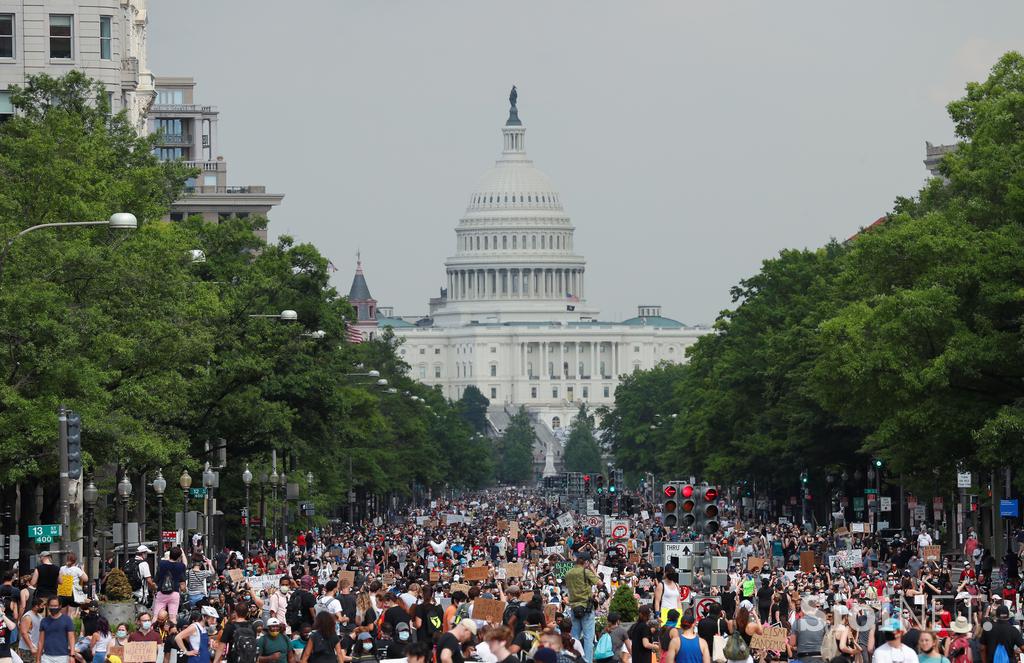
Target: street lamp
x,y
196,256
273,498
247,479
287,315
89,497
185,483
159,486
117,221
124,490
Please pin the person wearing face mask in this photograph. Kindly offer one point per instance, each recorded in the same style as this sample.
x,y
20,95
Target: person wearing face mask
x,y
278,601
28,630
120,635
399,645
301,636
194,640
56,635
362,650
273,645
145,631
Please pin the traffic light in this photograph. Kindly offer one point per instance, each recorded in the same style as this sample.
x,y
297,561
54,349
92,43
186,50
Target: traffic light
x,y
600,483
688,506
74,423
803,477
586,484
710,510
669,506
611,481
973,501
877,462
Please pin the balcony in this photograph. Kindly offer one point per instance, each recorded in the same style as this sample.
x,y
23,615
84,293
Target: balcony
x,y
182,108
175,139
208,166
191,190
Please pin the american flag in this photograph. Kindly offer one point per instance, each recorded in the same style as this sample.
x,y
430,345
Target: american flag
x,y
573,300
353,335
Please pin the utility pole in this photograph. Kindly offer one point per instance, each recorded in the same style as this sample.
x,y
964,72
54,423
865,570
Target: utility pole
x,y
65,481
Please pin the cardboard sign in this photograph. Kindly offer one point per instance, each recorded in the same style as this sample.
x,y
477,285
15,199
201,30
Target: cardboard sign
x,y
514,570
754,563
513,531
261,583
435,576
488,610
526,597
931,553
550,612
849,559
502,525
115,650
476,573
807,561
350,576
773,639
235,575
141,652
634,558
460,587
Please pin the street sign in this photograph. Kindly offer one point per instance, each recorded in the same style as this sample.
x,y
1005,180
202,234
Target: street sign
x,y
44,539
870,491
1009,508
197,492
963,479
38,531
919,512
911,502
885,503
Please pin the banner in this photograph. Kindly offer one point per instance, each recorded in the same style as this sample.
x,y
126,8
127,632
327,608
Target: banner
x,y
262,583
566,520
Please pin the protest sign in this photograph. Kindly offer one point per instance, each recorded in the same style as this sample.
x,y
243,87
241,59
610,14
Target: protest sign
x,y
773,639
849,559
261,583
566,520
807,561
434,576
755,563
235,575
553,550
514,570
350,576
141,652
460,587
513,531
476,573
561,568
931,553
488,610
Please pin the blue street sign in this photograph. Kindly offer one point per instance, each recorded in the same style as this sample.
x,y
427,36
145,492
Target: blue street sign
x,y
1009,508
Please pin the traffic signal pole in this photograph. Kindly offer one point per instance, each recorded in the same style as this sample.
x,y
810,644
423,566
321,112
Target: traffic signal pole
x,y
65,481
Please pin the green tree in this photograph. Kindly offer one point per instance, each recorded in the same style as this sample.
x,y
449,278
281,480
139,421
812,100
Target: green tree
x,y
516,450
473,406
582,453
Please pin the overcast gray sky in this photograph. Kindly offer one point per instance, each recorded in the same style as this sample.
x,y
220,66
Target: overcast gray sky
x,y
689,140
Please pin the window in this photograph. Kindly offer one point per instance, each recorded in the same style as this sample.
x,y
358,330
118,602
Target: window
x,y
568,393
494,370
636,348
168,153
169,97
209,180
554,392
494,393
504,241
486,243
586,393
607,392
533,392
494,349
60,36
169,127
423,351
177,216
437,371
514,241
423,371
437,351
6,108
529,369
6,35
105,32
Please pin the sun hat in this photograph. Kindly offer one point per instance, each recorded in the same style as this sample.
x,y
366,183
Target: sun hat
x,y
960,625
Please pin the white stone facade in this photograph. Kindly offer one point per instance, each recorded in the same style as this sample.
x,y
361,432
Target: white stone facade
x,y
105,39
514,320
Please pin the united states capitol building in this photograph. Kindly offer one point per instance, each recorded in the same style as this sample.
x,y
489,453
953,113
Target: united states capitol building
x,y
513,318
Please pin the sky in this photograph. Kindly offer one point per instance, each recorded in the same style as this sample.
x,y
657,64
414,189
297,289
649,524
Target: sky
x,y
689,140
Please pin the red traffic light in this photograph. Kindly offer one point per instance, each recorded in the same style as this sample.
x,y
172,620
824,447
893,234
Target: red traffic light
x,y
670,491
710,495
688,505
670,506
687,491
586,478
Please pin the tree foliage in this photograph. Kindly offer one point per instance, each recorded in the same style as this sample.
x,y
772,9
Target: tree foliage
x,y
582,452
902,344
516,450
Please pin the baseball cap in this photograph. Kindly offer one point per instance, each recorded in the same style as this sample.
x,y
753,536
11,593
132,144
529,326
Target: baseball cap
x,y
143,549
273,621
402,626
469,625
1002,612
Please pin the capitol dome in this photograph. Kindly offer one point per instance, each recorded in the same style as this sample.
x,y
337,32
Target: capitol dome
x,y
514,254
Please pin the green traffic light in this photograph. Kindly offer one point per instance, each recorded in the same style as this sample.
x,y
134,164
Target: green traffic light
x,y
878,462
611,489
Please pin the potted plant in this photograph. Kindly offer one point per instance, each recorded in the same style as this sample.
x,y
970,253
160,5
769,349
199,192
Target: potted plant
x,y
626,604
118,604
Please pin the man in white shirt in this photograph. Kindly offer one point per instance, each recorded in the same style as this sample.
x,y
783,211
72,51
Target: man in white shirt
x,y
148,586
894,651
923,539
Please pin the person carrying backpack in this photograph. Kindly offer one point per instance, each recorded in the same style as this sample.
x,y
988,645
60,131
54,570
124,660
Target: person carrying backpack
x,y
238,640
140,576
301,605
427,617
1000,643
170,576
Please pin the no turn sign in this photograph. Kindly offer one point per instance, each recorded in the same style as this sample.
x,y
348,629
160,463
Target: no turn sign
x,y
620,531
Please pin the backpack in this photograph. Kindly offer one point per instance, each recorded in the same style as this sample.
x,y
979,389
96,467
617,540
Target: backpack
x,y
433,621
510,610
527,654
321,605
964,646
293,613
1000,655
604,647
462,612
131,569
243,647
167,583
736,648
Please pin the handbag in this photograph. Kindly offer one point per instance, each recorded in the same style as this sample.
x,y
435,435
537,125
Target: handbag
x,y
718,646
736,648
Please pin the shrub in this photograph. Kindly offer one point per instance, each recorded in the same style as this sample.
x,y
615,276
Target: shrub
x,y
625,603
117,587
